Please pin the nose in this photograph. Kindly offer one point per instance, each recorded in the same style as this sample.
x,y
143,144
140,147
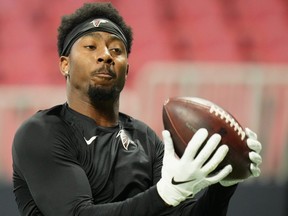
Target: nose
x,y
105,56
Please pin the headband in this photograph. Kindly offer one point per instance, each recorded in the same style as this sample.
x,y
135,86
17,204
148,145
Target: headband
x,y
91,25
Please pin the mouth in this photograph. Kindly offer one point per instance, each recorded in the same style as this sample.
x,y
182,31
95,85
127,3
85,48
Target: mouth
x,y
104,73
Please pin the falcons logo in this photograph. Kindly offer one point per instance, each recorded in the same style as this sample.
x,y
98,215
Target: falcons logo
x,y
126,141
97,22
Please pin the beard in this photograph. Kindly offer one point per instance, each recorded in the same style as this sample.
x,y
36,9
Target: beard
x,y
102,94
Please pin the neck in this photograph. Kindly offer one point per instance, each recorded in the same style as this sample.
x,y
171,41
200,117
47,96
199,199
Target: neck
x,y
104,113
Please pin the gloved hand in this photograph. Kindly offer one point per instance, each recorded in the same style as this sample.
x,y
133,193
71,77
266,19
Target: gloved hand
x,y
186,176
254,155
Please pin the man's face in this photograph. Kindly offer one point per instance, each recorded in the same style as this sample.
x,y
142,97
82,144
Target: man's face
x,y
97,67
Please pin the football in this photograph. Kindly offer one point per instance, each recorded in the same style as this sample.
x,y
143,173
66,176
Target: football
x,y
183,116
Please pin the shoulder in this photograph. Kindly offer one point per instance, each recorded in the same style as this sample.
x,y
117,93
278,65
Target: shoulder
x,y
42,120
42,139
40,129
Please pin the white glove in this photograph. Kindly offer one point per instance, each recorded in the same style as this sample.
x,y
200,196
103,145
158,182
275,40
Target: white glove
x,y
185,177
254,155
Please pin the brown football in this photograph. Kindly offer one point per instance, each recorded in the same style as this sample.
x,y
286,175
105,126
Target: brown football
x,y
183,116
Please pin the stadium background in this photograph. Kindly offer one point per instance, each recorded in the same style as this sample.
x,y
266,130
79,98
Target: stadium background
x,y
234,52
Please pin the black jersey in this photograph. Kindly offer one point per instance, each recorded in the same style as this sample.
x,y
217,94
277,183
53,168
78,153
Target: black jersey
x,y
65,164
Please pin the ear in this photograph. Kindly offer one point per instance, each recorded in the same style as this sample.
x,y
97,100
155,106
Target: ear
x,y
64,65
127,71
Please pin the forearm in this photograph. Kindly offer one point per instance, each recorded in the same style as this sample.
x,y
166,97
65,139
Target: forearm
x,y
213,202
143,204
216,199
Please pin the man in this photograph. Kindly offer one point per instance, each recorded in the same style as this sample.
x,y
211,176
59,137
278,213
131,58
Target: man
x,y
86,158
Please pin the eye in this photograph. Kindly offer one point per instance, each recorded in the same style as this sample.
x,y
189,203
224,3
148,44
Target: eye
x,y
90,47
116,51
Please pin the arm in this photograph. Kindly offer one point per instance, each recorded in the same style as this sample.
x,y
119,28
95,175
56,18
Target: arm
x,y
214,201
57,184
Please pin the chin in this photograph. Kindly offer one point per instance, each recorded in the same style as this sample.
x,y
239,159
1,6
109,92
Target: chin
x,y
101,93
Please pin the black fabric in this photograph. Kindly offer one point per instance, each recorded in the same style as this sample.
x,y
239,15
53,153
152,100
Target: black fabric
x,y
91,25
60,169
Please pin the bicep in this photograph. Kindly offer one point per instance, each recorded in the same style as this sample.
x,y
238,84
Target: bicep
x,y
56,182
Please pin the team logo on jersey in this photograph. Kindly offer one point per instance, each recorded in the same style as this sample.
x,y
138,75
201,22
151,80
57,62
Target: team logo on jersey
x,y
126,141
97,22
